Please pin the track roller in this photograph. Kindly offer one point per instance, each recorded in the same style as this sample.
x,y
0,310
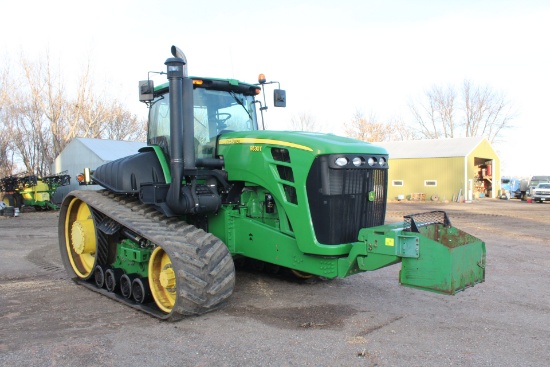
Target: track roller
x,y
126,284
112,279
99,276
141,293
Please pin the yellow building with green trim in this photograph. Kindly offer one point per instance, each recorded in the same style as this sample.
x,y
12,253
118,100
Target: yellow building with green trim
x,y
443,169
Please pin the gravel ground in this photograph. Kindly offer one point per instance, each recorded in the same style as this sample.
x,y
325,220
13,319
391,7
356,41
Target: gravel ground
x,y
363,320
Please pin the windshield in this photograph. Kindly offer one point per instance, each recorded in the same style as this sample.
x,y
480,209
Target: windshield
x,y
536,182
215,112
544,186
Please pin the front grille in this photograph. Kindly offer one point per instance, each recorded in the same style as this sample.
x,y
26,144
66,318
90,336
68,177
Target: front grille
x,y
339,200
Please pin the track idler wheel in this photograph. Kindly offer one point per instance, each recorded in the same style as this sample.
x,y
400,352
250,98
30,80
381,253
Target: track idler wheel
x,y
78,240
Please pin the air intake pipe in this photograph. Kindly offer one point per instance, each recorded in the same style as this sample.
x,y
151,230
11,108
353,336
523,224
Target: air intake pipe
x,y
184,200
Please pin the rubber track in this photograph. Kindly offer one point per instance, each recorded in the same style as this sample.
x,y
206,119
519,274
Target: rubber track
x,y
205,273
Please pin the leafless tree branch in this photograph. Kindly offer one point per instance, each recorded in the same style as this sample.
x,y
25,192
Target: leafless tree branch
x,y
39,117
481,111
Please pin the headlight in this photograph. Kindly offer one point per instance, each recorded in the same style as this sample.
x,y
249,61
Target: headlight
x,y
341,162
357,161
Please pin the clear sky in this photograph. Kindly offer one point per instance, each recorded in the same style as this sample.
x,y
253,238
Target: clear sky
x,y
331,57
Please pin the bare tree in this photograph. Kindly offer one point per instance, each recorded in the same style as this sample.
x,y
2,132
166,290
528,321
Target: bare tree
x,y
364,128
435,116
371,130
401,131
486,112
367,128
37,114
41,117
6,161
480,112
94,115
121,124
6,153
303,121
28,135
46,92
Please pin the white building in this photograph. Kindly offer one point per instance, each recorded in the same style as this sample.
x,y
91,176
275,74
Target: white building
x,y
83,153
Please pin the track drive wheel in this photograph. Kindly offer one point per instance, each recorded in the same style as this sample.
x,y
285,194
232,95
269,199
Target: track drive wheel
x,y
191,278
78,240
162,280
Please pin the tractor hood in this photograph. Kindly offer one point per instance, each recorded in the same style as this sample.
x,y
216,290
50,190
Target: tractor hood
x,y
316,143
250,155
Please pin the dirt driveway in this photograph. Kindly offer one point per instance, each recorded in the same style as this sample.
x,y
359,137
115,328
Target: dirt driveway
x,y
364,320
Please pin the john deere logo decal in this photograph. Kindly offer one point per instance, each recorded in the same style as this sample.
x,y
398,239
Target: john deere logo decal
x,y
371,195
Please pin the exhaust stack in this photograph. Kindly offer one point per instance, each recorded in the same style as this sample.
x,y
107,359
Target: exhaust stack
x,y
184,199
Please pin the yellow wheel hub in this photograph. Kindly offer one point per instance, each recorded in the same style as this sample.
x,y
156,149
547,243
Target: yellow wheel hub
x,y
80,238
162,280
83,236
167,278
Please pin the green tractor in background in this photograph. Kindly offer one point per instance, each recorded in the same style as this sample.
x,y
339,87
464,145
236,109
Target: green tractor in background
x,y
32,190
211,189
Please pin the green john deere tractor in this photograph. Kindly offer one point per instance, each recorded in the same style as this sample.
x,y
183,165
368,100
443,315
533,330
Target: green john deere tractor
x,y
211,188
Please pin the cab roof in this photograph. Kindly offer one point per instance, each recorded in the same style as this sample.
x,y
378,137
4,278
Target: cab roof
x,y
216,84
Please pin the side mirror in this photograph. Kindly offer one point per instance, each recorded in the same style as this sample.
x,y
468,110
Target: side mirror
x,y
146,89
279,98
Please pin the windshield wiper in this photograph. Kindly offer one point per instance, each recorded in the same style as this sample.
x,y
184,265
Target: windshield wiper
x,y
239,101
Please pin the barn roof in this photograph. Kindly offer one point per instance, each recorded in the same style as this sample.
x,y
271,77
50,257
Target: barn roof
x,y
110,150
432,148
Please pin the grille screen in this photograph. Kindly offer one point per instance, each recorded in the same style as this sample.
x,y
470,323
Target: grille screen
x,y
339,200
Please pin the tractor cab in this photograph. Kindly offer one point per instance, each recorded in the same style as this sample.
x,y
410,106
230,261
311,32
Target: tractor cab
x,y
219,106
